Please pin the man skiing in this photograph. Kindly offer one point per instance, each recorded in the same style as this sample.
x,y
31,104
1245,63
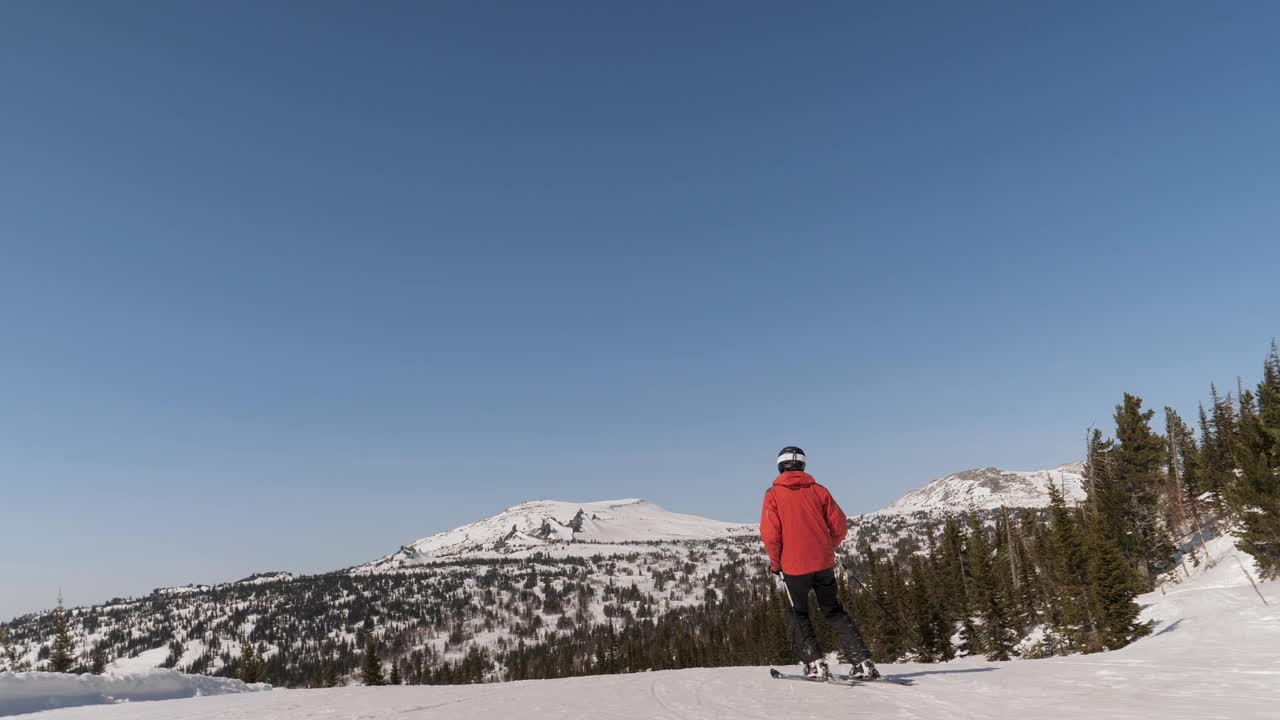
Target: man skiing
x,y
801,526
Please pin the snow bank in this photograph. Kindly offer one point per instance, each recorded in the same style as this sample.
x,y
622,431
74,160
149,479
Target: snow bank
x,y
35,691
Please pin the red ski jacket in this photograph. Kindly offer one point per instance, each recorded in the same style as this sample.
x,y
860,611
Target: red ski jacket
x,y
801,525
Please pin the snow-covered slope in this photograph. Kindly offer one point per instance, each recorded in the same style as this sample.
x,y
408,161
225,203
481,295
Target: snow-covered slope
x,y
1214,653
991,488
544,523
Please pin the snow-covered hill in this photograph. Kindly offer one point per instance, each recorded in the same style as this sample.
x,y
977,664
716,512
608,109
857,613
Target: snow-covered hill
x,y
990,489
540,524
1214,653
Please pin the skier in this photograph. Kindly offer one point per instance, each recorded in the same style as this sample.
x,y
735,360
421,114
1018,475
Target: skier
x,y
801,526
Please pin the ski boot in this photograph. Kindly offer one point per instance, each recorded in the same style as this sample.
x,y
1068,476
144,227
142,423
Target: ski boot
x,y
817,670
865,670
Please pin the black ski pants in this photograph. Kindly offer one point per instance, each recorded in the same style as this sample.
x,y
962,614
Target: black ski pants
x,y
823,585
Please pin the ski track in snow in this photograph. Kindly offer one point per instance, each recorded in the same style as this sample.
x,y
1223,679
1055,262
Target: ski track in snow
x,y
1214,653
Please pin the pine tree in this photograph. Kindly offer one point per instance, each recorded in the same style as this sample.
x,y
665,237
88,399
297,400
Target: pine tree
x,y
328,672
1269,405
99,662
884,587
930,638
1028,589
395,673
263,663
251,668
9,654
371,666
1135,470
1069,608
1218,431
985,595
951,582
776,635
1192,471
1254,497
1176,502
1007,568
63,656
1111,589
1105,496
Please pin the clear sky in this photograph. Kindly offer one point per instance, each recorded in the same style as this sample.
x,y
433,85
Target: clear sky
x,y
283,286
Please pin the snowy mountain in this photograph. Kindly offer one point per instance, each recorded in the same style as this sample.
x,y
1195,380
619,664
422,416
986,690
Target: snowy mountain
x,y
540,524
990,489
550,525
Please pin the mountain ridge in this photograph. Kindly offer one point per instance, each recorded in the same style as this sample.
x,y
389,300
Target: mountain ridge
x,y
547,525
990,488
541,524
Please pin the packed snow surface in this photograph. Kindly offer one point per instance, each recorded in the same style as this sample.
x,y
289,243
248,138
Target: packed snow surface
x,y
542,524
31,692
1214,653
991,489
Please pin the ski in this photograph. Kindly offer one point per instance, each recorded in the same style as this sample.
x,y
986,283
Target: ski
x,y
832,680
837,679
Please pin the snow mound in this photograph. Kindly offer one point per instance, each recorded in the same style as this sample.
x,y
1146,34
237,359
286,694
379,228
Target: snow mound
x,y
31,692
990,489
545,523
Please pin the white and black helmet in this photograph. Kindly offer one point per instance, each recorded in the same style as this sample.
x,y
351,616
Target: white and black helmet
x,y
790,458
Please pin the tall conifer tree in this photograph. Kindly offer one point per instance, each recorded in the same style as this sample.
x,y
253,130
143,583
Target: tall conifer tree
x,y
63,653
251,668
1111,588
985,594
371,666
1070,611
1254,497
1135,467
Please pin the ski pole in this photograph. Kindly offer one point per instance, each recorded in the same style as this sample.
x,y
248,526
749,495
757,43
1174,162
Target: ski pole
x,y
783,579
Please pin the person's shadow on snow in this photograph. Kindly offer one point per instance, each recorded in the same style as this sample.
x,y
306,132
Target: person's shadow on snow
x,y
905,678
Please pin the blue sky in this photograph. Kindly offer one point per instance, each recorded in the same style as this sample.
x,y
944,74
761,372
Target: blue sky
x,y
287,285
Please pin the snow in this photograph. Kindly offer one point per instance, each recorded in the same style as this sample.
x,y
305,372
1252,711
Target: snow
x,y
991,489
143,661
192,651
32,692
1214,653
545,524
183,590
263,578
